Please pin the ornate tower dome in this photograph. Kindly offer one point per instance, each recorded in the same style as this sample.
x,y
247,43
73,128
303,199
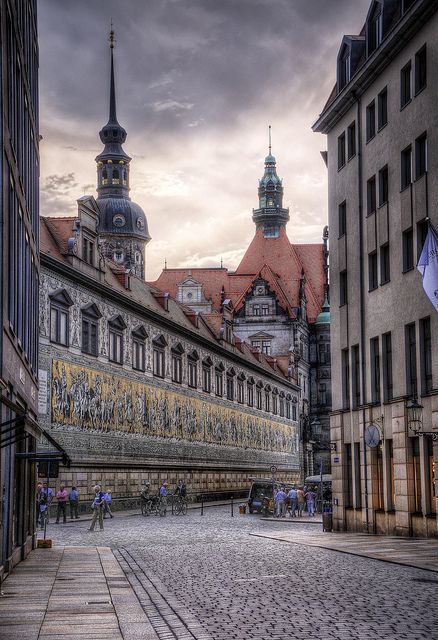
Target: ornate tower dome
x,y
270,215
122,223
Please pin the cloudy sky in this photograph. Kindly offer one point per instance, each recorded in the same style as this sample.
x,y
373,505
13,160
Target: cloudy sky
x,y
198,82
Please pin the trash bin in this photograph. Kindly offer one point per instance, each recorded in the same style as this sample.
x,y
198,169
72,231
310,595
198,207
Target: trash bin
x,y
242,509
327,521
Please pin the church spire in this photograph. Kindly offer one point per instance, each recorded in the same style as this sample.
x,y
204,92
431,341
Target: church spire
x,y
112,112
270,215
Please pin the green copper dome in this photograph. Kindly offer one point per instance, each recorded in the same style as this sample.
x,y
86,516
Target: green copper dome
x,y
324,316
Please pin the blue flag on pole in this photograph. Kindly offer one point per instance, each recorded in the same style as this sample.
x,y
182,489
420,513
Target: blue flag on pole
x,y
428,266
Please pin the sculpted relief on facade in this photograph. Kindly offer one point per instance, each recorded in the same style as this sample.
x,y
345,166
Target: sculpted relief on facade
x,y
95,401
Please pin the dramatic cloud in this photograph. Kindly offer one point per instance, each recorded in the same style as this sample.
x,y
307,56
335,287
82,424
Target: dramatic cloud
x,y
198,82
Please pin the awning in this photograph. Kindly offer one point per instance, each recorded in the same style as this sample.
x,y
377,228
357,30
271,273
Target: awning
x,y
326,477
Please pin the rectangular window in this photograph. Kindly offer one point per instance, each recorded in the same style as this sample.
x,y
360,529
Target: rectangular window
x,y
267,401
59,321
87,250
357,482
371,195
420,156
431,475
274,404
250,394
256,310
379,477
406,167
89,336
416,475
343,288
387,366
240,392
294,412
348,476
351,140
206,379
422,229
138,355
219,383
375,370
372,271
425,356
176,368
385,273
405,85
383,186
193,373
230,387
389,459
115,346
370,121
345,379
265,309
408,250
342,213
382,108
158,362
420,70
341,151
411,360
266,347
355,376
288,409
259,399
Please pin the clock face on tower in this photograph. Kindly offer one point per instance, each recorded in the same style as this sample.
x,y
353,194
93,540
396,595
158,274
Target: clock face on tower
x,y
140,223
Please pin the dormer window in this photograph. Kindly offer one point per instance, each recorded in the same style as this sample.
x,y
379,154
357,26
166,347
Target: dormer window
x,y
60,302
116,328
374,28
344,68
87,250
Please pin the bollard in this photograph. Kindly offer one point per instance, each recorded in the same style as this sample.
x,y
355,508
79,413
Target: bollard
x,y
202,504
232,506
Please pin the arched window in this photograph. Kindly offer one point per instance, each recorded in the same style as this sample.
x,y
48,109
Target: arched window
x,y
116,176
104,177
125,177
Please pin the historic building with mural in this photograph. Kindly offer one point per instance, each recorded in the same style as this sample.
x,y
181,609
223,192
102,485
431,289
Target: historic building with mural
x,y
134,384
279,302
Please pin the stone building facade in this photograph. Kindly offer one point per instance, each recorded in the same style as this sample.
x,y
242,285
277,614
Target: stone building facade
x,y
381,126
142,389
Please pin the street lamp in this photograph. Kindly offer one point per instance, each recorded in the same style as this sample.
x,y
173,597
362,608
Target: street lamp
x,y
316,427
414,413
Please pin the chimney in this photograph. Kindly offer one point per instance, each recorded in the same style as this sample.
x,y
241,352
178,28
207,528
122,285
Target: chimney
x,y
162,299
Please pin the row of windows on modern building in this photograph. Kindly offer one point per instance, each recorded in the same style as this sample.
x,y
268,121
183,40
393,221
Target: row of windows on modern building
x,y
377,119
21,109
420,457
382,257
200,374
381,370
23,279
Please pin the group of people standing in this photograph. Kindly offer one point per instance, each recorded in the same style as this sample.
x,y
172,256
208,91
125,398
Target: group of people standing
x,y
45,496
163,492
295,501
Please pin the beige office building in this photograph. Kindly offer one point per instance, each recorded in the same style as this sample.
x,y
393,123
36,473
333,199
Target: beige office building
x,y
382,135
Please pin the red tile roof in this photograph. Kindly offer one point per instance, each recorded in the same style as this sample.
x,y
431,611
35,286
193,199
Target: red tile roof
x,y
276,260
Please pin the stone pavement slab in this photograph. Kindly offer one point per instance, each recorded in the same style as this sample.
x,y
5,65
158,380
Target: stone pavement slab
x,y
421,553
71,593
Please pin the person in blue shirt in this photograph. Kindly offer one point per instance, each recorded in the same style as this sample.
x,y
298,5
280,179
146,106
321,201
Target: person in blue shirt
x,y
45,500
292,495
280,498
107,507
163,498
73,499
97,506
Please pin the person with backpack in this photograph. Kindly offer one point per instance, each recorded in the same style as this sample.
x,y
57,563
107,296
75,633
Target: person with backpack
x,y
107,506
181,490
73,498
97,505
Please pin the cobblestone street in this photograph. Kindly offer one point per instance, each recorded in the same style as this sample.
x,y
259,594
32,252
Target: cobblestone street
x,y
206,578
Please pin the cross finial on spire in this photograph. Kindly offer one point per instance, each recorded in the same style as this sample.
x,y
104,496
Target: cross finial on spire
x,y
269,139
112,37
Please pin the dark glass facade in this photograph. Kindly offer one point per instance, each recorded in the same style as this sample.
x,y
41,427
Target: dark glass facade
x,y
20,276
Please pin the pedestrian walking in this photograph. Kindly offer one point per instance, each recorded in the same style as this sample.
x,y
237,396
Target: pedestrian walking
x,y
46,498
107,505
310,500
73,498
97,506
280,498
163,498
292,495
38,502
300,501
61,497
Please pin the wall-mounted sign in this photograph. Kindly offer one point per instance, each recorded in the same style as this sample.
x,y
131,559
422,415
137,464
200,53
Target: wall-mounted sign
x,y
42,392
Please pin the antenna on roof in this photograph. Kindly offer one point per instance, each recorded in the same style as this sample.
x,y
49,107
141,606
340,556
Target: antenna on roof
x,y
222,264
165,263
269,139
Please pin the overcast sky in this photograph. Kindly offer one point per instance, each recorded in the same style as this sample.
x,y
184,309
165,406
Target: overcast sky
x,y
198,82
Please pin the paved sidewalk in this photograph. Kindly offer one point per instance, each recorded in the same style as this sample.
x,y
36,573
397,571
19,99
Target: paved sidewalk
x,y
421,553
71,593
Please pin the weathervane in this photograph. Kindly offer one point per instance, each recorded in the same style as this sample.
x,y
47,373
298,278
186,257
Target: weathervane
x,y
112,38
